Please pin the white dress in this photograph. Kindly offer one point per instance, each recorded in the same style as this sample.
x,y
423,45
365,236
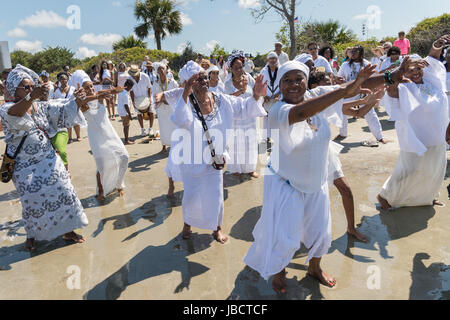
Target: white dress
x,y
80,121
219,88
350,73
50,205
164,111
421,118
108,150
244,155
203,202
296,205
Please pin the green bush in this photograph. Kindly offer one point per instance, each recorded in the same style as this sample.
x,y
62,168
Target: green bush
x,y
426,32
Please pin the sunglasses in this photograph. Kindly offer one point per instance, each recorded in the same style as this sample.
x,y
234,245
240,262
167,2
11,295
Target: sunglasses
x,y
201,79
29,87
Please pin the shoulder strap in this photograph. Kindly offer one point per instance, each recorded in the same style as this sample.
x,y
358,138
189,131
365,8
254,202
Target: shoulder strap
x,y
205,129
19,147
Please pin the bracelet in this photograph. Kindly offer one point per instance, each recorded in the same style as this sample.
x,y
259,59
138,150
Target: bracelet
x,y
388,78
436,48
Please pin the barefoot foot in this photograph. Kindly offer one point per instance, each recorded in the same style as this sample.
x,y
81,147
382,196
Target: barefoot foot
x,y
219,236
121,192
30,245
187,232
384,204
322,276
359,236
437,203
73,237
279,282
254,175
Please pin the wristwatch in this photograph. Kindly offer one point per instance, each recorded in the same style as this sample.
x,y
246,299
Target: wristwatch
x,y
28,97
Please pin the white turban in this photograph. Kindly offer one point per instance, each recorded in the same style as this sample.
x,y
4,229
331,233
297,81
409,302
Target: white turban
x,y
78,78
17,75
190,69
304,58
272,55
291,66
212,68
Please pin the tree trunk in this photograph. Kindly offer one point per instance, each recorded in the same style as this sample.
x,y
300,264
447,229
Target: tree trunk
x,y
293,38
158,40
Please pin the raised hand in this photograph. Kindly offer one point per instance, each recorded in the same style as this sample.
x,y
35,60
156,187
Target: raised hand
x,y
260,88
188,90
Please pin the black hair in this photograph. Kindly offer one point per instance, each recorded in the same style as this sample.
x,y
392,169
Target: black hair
x,y
101,69
316,78
128,83
394,50
237,58
361,54
62,74
311,43
322,51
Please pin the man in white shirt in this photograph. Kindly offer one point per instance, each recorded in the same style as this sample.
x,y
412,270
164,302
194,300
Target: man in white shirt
x,y
249,66
319,61
144,64
149,72
282,56
141,95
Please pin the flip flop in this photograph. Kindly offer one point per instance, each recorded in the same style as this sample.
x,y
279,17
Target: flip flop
x,y
370,144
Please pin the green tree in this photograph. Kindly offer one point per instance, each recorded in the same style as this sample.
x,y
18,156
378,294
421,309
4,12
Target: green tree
x,y
53,59
188,54
330,32
159,16
426,32
129,42
219,51
21,57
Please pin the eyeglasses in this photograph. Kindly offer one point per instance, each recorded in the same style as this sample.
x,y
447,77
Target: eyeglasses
x,y
201,79
29,87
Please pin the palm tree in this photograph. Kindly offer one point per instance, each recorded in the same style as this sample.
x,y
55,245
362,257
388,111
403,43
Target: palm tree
x,y
159,16
331,32
129,42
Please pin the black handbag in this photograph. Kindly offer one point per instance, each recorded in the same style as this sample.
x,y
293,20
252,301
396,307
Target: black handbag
x,y
217,166
7,168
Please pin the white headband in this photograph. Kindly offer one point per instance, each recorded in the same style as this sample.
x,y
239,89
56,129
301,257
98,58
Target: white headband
x,y
291,66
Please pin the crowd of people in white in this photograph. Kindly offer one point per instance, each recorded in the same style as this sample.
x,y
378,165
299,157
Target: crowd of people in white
x,y
211,119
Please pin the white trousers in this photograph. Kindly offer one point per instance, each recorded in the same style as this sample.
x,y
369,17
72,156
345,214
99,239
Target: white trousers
x,y
372,121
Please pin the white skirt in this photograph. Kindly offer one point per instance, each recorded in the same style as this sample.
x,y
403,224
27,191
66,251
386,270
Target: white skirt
x,y
166,126
334,163
288,218
203,202
172,170
244,156
416,181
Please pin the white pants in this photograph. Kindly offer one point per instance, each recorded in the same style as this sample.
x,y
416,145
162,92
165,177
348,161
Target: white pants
x,y
372,121
416,181
289,218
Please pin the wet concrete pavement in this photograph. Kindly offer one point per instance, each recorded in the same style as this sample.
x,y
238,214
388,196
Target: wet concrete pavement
x,y
134,249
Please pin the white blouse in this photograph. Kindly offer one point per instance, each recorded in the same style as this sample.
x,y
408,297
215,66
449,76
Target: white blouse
x,y
196,159
421,113
302,156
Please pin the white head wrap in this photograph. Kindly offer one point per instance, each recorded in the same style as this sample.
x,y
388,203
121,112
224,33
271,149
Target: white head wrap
x,y
190,69
291,66
17,75
236,54
78,78
211,69
304,58
272,55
